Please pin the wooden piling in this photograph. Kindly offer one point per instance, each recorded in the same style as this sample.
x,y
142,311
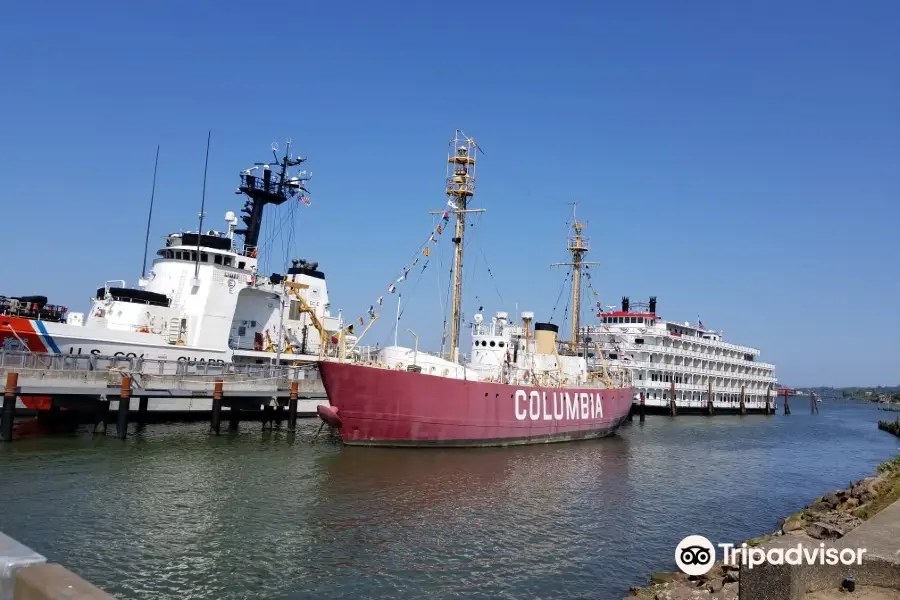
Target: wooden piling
x,y
643,414
710,399
9,407
813,405
124,408
743,402
769,401
787,407
673,408
292,406
215,424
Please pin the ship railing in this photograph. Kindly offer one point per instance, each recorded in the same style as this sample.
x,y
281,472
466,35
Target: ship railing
x,y
30,363
682,352
681,369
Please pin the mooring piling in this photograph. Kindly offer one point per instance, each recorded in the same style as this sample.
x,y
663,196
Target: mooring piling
x,y
214,425
124,408
9,407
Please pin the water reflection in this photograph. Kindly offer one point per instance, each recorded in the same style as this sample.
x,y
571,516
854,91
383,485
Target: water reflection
x,y
175,513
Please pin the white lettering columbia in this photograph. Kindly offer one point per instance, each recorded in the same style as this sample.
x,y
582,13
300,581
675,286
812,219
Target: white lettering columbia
x,y
534,406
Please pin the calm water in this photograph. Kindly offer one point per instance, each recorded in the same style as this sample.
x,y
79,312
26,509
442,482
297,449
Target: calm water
x,y
174,513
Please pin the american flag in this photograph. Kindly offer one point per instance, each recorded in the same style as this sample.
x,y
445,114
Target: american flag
x,y
304,200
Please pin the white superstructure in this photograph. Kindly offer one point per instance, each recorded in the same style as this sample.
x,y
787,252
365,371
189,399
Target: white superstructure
x,y
202,301
686,359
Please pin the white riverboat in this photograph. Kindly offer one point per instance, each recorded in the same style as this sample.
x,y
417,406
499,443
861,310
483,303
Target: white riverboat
x,y
679,360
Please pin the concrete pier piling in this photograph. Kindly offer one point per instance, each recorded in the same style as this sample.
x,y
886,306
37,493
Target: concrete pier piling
x,y
124,408
9,407
268,415
216,421
234,416
292,406
279,414
143,402
101,415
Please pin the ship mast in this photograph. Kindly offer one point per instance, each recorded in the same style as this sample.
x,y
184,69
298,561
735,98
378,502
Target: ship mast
x,y
268,189
460,187
578,246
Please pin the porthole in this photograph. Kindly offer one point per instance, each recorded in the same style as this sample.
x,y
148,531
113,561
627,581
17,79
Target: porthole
x,y
493,343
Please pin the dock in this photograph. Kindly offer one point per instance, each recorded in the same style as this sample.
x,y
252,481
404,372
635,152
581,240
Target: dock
x,y
97,385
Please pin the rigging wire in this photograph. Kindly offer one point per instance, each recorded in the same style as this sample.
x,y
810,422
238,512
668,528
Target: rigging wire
x,y
566,311
561,290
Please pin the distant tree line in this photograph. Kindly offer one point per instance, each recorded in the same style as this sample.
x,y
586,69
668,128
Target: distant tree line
x,y
872,393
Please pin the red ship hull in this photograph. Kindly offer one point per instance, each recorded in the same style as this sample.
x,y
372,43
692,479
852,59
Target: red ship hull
x,y
371,406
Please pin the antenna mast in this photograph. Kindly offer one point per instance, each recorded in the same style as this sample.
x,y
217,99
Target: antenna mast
x,y
202,206
268,190
578,246
150,215
460,187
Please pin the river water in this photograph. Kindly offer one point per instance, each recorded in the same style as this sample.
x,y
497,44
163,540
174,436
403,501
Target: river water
x,y
174,513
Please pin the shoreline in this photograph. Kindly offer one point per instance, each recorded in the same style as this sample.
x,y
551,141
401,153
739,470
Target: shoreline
x,y
829,517
890,426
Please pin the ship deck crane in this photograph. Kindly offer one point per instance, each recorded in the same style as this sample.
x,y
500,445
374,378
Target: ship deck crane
x,y
293,289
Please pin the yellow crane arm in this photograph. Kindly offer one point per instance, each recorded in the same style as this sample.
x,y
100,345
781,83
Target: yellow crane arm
x,y
293,289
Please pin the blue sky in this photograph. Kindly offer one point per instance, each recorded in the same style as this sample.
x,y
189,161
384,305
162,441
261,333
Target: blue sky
x,y
740,161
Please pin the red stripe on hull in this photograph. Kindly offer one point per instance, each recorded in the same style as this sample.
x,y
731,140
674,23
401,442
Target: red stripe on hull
x,y
15,330
37,402
382,407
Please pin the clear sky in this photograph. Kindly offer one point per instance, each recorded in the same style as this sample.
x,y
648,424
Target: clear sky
x,y
739,160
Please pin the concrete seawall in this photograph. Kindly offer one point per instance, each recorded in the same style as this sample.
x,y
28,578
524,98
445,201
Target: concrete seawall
x,y
26,575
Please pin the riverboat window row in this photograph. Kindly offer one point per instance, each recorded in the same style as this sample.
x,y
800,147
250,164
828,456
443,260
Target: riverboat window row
x,y
633,320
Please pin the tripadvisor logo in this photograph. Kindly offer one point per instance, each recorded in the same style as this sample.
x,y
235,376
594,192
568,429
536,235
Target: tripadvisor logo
x,y
695,555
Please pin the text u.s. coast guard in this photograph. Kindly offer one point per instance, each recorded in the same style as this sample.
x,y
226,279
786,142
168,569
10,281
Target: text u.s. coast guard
x,y
537,406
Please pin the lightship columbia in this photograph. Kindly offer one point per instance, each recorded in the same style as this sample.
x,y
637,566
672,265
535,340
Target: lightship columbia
x,y
520,385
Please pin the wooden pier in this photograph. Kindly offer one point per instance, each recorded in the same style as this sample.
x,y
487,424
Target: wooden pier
x,y
98,385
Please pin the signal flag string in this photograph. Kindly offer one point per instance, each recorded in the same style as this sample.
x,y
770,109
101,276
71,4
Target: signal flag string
x,y
423,251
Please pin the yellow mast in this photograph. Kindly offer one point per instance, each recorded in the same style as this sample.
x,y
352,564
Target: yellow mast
x,y
460,187
578,246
